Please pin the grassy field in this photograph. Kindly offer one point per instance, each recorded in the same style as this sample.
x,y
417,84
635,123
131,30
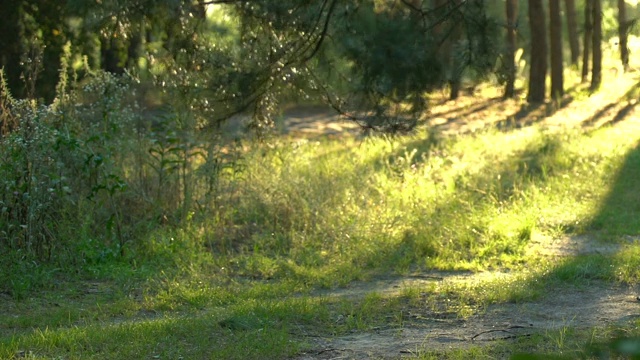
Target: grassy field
x,y
301,221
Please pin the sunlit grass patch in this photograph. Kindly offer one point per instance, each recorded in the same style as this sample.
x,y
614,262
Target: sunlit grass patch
x,y
468,202
310,216
626,264
170,337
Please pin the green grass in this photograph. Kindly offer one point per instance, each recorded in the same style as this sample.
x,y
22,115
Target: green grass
x,y
309,216
565,342
166,337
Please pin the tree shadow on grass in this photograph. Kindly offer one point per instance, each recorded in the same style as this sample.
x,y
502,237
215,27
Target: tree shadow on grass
x,y
530,114
618,216
619,213
526,115
534,162
622,113
578,288
599,257
631,97
455,113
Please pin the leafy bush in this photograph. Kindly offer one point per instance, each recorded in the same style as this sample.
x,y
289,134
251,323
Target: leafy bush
x,y
84,176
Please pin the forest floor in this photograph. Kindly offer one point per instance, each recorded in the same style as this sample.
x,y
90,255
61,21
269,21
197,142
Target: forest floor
x,y
96,320
486,108
599,304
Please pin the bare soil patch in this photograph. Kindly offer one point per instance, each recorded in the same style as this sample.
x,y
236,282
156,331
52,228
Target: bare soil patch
x,y
432,327
596,305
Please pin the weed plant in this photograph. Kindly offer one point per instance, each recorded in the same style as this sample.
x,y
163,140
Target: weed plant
x,y
86,179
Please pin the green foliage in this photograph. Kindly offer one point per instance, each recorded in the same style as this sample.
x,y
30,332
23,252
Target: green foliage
x,y
86,176
249,57
393,56
108,177
33,192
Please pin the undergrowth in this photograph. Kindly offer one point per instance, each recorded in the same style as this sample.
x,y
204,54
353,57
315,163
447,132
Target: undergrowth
x,y
321,213
164,220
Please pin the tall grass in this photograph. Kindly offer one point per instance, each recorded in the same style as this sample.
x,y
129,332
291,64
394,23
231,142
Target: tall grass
x,y
194,235
88,180
96,178
471,202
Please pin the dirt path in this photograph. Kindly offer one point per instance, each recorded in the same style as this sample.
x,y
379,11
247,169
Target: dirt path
x,y
577,308
599,304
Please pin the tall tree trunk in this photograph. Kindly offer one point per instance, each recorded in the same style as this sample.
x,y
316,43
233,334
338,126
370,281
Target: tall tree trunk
x,y
512,18
622,34
136,43
455,68
538,68
11,45
555,42
572,30
444,45
596,71
449,33
588,38
110,60
49,17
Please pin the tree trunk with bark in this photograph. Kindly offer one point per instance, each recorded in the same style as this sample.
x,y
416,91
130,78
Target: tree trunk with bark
x,y
11,45
134,50
538,67
588,39
572,31
454,29
555,42
622,34
109,56
512,18
596,71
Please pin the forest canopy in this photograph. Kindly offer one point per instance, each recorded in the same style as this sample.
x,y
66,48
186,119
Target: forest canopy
x,y
230,57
